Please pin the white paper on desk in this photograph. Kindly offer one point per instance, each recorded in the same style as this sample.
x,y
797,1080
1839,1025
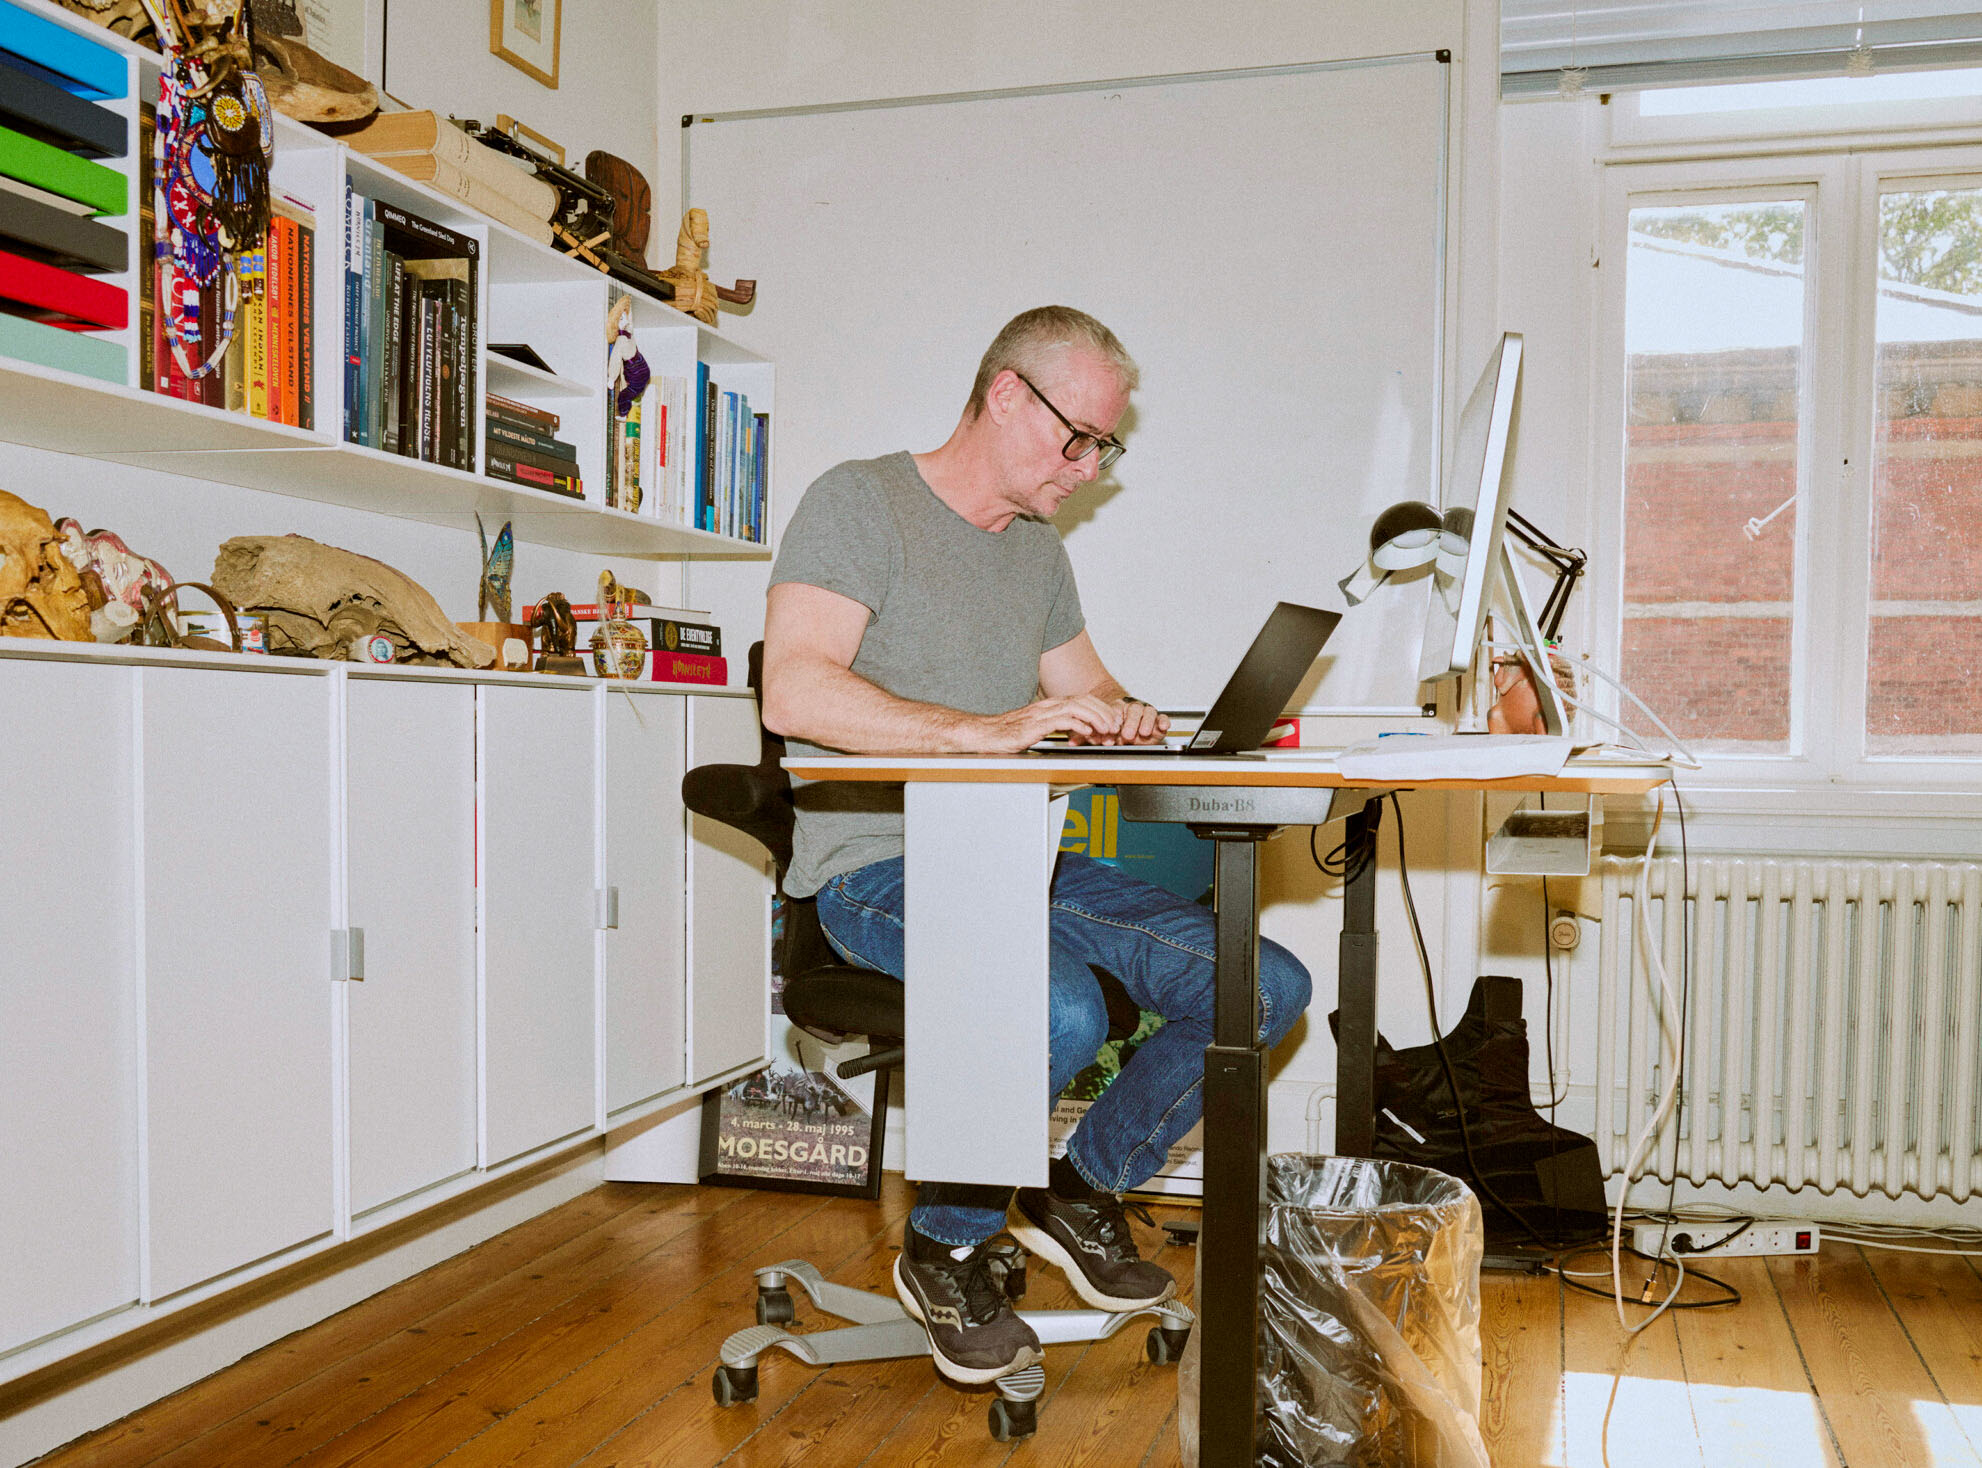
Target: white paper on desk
x,y
1455,757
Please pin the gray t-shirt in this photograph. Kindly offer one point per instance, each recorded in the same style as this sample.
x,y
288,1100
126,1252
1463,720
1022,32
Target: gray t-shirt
x,y
958,616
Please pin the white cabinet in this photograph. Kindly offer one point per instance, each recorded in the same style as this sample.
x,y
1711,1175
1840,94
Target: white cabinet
x,y
68,1000
729,922
645,962
410,890
539,916
237,995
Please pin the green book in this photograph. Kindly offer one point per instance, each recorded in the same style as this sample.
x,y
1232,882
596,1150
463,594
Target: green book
x,y
47,167
70,351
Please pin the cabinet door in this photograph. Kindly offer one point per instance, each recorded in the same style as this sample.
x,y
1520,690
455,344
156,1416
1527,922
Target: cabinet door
x,y
539,915
237,989
729,996
410,879
645,1018
68,999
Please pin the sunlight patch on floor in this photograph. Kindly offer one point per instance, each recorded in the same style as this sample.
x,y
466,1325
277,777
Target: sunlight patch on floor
x,y
1654,1424
1953,1434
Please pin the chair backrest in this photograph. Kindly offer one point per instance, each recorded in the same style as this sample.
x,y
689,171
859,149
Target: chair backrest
x,y
757,800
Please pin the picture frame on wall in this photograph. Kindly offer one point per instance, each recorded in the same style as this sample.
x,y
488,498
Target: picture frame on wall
x,y
526,34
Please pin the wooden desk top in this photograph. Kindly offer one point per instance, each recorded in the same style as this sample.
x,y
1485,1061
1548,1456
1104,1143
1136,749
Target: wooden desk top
x,y
1316,769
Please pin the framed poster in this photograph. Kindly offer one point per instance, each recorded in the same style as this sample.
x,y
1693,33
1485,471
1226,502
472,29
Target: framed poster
x,y
525,34
1171,858
795,1125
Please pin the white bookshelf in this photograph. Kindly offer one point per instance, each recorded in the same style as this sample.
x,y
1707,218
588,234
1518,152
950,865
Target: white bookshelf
x,y
525,293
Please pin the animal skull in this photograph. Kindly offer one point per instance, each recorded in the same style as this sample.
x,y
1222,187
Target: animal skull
x,y
41,594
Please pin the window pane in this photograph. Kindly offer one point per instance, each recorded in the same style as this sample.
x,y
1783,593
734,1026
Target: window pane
x,y
1713,337
1923,683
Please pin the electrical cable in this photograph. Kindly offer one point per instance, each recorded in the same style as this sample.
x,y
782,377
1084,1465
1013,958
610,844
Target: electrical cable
x,y
1679,751
1343,861
1569,1277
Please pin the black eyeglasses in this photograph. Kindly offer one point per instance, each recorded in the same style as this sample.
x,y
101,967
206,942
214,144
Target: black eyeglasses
x,y
1080,443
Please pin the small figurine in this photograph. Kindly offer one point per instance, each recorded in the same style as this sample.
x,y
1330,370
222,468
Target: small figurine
x,y
694,292
556,631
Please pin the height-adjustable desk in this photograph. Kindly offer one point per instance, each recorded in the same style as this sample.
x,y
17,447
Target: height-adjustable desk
x,y
982,834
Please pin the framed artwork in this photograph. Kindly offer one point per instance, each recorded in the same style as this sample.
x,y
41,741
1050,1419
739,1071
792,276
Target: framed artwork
x,y
795,1126
525,34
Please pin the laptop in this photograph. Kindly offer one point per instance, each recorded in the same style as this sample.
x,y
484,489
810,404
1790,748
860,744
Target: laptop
x,y
1253,697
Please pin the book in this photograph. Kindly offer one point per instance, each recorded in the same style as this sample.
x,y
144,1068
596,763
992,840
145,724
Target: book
x,y
271,330
627,456
522,413
68,351
417,143
145,343
306,322
354,257
44,166
668,634
477,194
374,307
504,431
61,297
501,466
588,611
537,458
43,110
689,667
446,282
59,55
36,228
251,331
287,334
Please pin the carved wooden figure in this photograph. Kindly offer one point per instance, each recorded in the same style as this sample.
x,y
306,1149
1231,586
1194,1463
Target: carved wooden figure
x,y
694,292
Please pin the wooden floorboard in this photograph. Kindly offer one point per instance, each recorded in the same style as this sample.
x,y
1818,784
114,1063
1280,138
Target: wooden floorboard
x,y
590,1335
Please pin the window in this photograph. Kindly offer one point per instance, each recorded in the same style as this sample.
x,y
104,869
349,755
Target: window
x,y
1796,499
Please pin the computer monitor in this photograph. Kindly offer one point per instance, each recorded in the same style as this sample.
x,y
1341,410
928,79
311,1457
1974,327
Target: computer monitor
x,y
1474,559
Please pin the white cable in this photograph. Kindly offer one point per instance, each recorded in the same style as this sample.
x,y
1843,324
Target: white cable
x,y
1684,756
1669,1006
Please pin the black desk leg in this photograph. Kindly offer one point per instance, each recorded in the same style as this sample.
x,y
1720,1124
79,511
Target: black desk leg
x,y
1235,1168
1355,996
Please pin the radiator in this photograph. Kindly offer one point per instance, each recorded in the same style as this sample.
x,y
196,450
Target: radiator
x,y
1834,1027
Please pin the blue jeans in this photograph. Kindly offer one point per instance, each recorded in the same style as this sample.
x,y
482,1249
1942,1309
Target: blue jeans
x,y
1159,945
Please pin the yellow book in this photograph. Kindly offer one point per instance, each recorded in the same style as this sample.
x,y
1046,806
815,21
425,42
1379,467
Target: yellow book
x,y
254,310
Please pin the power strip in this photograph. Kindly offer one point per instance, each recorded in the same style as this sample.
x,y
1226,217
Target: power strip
x,y
1703,1240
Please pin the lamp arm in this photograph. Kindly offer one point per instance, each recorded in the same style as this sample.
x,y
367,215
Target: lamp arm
x,y
1568,565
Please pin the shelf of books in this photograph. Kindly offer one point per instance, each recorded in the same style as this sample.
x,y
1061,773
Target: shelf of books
x,y
396,350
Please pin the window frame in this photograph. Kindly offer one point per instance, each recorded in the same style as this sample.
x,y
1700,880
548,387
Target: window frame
x,y
1914,804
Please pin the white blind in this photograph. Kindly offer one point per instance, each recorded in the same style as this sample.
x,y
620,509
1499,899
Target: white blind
x,y
1645,43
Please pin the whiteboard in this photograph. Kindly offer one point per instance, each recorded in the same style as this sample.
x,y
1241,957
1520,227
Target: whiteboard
x,y
1269,245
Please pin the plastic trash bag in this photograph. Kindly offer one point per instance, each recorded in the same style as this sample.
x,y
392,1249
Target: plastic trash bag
x,y
1369,1353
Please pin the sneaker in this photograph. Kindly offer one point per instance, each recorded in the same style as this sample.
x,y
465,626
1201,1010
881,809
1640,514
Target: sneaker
x,y
958,1293
1089,1239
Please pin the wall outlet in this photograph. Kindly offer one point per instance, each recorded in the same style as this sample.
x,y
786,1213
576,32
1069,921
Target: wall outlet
x,y
1703,1240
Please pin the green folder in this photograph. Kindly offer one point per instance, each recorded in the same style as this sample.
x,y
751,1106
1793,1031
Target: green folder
x,y
71,351
104,190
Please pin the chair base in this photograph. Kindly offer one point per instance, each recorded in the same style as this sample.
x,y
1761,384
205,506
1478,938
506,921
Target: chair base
x,y
883,1331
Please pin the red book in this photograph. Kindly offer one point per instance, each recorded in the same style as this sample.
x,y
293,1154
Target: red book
x,y
169,378
274,303
689,667
85,302
291,312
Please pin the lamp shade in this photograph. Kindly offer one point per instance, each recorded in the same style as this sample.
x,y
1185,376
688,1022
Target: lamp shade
x,y
1402,538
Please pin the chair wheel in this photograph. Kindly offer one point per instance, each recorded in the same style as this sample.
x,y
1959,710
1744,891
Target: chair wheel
x,y
733,1384
1015,1283
1165,1344
1011,1420
774,1307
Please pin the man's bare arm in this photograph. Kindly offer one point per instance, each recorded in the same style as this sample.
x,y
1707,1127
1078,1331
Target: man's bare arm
x,y
811,692
1074,667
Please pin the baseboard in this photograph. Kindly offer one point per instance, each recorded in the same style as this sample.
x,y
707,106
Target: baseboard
x,y
81,1393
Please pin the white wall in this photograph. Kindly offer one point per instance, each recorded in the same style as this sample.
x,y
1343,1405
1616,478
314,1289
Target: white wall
x,y
725,56
437,55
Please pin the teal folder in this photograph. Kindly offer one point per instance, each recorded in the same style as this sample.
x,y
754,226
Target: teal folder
x,y
70,351
73,62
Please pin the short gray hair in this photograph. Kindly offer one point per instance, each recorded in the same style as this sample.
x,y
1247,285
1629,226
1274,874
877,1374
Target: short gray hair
x,y
1030,338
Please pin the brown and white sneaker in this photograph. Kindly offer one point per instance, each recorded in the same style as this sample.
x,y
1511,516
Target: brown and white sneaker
x,y
1089,1239
959,1295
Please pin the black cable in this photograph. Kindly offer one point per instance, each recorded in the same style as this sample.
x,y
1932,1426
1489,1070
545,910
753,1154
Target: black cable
x,y
1548,1042
1438,1043
1730,1295
1721,1242
1344,861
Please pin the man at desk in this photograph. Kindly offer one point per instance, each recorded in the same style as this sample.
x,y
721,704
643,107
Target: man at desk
x,y
923,604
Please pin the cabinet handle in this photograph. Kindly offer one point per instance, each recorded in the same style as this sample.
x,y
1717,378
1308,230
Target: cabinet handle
x,y
609,907
347,954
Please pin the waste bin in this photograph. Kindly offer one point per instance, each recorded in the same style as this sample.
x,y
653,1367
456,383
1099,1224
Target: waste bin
x,y
1369,1349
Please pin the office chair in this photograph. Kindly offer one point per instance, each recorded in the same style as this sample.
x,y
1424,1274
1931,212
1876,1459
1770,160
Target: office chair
x,y
833,1000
